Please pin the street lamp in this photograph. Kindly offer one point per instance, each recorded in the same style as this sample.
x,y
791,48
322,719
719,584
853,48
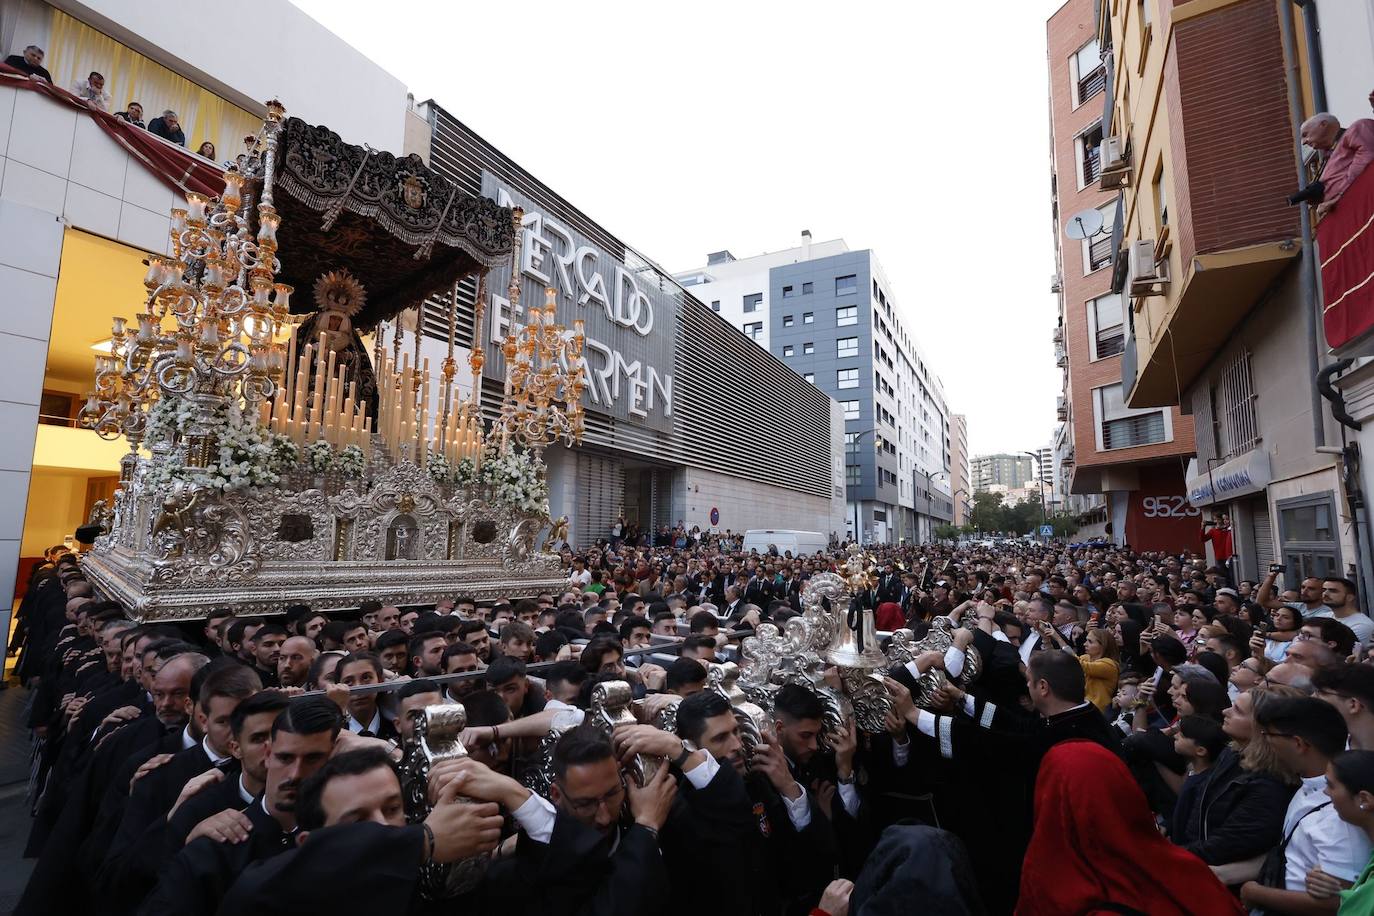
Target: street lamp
x,y
955,496
1040,481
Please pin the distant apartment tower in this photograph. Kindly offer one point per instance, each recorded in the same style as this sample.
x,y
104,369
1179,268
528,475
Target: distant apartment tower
x,y
830,314
960,477
1124,460
1010,471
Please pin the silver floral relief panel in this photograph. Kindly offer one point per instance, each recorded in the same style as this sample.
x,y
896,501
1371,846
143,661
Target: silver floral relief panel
x,y
292,526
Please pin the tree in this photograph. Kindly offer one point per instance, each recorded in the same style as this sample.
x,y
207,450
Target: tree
x,y
988,514
1065,525
946,532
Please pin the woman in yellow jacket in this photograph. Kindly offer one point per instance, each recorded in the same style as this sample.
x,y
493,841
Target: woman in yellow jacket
x,y
1101,667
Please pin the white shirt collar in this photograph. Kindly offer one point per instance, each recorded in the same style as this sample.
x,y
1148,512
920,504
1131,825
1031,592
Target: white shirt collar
x,y
244,793
375,726
215,759
186,740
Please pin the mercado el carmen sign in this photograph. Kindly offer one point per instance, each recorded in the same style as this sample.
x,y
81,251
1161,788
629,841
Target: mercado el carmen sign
x,y
631,324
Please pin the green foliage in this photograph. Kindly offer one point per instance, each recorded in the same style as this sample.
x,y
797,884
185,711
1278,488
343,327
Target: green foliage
x,y
992,514
946,532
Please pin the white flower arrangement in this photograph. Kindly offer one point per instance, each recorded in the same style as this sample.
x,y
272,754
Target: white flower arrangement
x,y
465,472
168,417
517,479
319,456
439,468
285,453
243,455
350,462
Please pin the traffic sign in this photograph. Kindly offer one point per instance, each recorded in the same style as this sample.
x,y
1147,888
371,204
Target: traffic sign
x,y
1046,531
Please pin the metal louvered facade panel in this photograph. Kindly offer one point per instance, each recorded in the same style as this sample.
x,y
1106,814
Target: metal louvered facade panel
x,y
736,409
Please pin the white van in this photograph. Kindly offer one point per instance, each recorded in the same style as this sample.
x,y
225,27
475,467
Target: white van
x,y
782,540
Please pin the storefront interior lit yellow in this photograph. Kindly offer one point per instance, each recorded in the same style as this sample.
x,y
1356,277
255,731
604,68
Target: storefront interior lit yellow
x,y
73,467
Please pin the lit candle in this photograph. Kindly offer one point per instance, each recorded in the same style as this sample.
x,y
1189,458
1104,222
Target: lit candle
x,y
195,207
312,430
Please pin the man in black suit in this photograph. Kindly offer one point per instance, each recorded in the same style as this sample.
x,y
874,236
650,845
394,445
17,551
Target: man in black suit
x,y
131,865
591,848
789,853
998,748
232,786
220,848
889,584
95,802
356,853
266,648
759,590
733,606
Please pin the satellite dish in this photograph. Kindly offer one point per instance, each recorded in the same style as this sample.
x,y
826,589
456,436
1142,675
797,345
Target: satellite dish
x,y
1084,224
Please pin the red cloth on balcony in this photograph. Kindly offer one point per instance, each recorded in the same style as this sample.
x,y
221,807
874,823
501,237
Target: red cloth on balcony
x,y
1345,244
177,168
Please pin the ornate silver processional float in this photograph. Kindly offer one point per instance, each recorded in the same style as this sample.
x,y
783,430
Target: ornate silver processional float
x,y
272,460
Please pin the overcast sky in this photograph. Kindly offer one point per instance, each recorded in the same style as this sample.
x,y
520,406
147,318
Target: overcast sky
x,y
919,130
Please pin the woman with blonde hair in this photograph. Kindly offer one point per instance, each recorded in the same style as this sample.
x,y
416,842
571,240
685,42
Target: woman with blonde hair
x,y
1101,663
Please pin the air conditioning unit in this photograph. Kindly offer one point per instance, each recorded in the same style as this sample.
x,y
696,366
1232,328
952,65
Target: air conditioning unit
x,y
1115,163
1146,276
1055,285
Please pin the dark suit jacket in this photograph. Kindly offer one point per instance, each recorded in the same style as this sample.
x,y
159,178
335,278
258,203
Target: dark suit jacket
x,y
209,801
139,848
350,868
194,881
575,874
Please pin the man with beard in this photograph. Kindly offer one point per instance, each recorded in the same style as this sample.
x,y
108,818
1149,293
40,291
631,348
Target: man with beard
x,y
787,855
293,663
427,654
461,658
194,881
266,648
593,849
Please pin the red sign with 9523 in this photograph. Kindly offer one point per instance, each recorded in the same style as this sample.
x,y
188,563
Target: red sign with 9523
x,y
1158,516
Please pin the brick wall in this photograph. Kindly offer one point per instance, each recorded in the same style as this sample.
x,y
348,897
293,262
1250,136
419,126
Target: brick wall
x,y
1067,30
1230,135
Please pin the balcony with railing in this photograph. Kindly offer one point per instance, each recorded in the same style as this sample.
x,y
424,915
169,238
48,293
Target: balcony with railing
x,y
1062,408
1090,84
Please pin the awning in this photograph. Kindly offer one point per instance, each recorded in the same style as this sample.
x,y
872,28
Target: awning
x,y
1219,290
1345,242
1240,476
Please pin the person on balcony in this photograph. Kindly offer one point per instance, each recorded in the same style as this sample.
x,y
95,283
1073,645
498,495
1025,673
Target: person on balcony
x,y
133,114
30,62
91,90
1347,153
168,127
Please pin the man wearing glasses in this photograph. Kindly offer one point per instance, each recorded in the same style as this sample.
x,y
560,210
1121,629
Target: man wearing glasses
x,y
595,847
1306,733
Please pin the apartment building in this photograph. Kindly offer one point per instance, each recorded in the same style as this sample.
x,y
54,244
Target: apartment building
x,y
831,315
1217,272
1126,459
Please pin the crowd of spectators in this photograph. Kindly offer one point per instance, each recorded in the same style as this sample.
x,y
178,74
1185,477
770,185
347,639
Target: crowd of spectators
x,y
1144,736
91,90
